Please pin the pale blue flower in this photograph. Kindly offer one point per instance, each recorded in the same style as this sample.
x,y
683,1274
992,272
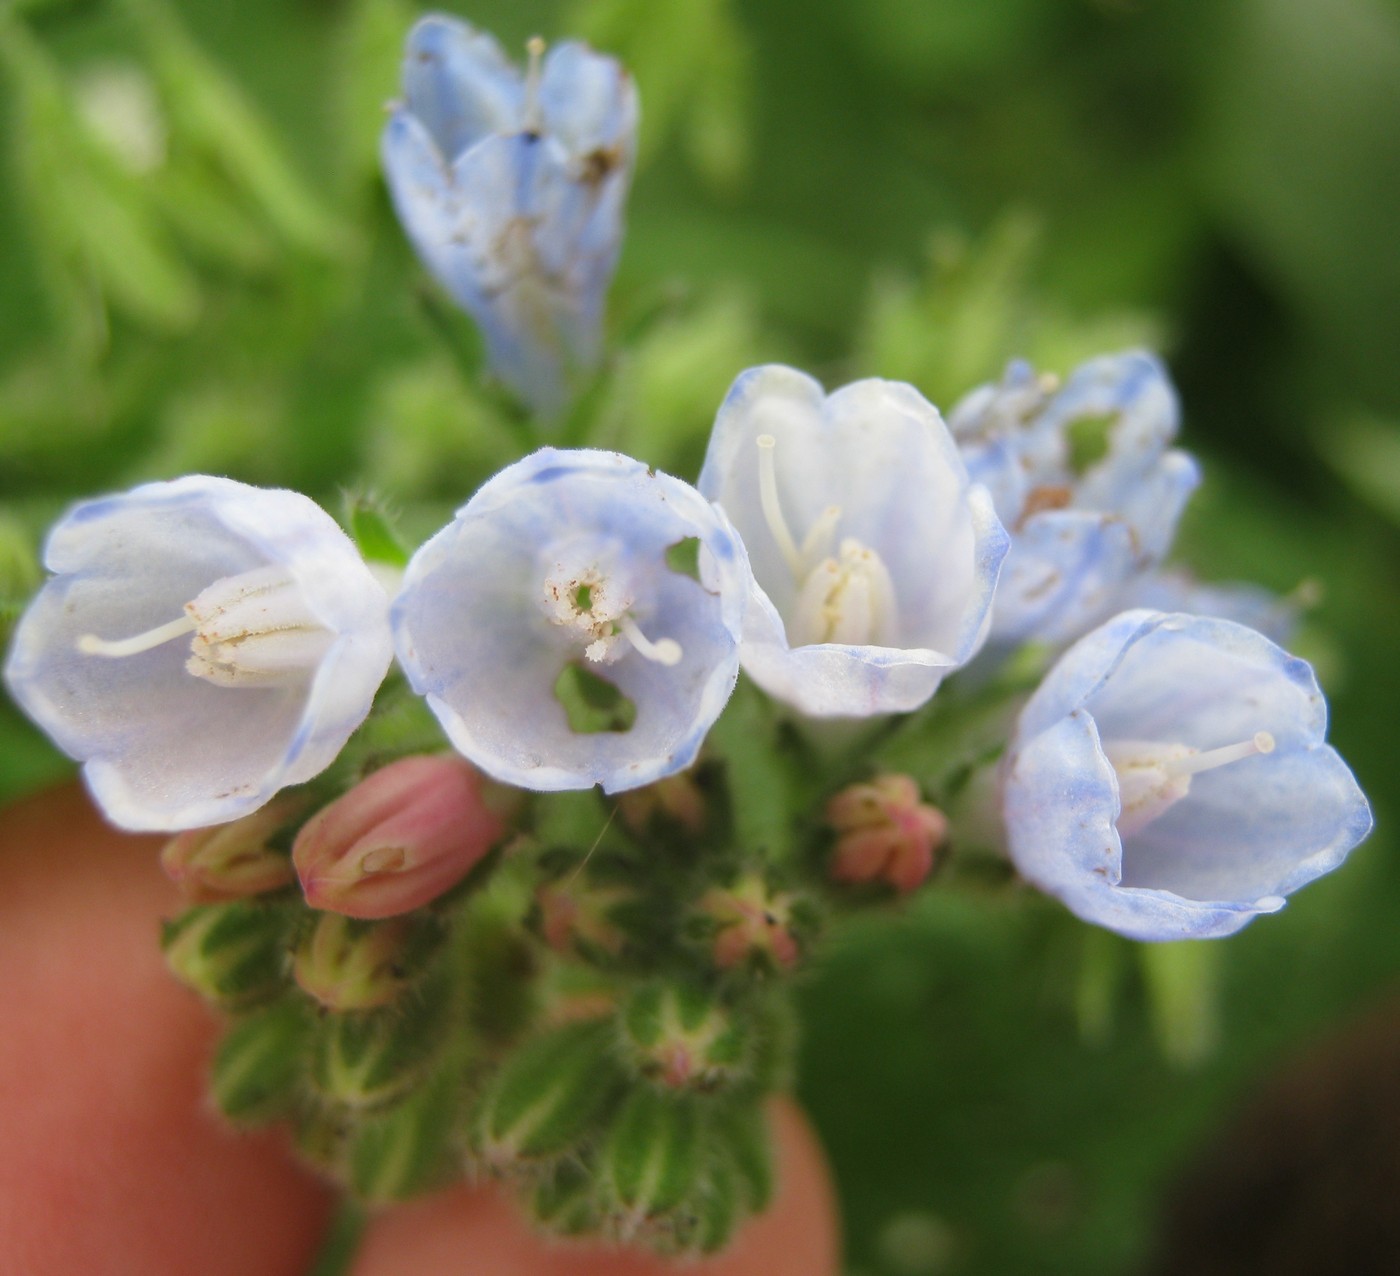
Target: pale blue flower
x,y
874,558
512,188
1169,779
574,562
201,645
1083,476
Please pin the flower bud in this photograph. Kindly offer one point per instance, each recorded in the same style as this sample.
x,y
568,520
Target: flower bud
x,y
408,1149
367,1059
576,916
677,800
347,964
234,954
679,1037
257,1073
650,1160
749,920
230,861
563,1201
884,833
400,838
548,1095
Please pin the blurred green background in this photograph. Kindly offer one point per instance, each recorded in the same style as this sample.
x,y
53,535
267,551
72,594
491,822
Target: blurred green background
x,y
201,273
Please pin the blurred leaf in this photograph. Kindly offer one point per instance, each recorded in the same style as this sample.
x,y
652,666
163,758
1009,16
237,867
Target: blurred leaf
x,y
1365,451
1183,995
1104,963
210,113
670,383
369,56
975,309
1303,130
88,215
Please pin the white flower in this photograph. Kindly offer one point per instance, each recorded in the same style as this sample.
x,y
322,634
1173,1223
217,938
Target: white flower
x,y
561,579
1169,779
201,645
874,557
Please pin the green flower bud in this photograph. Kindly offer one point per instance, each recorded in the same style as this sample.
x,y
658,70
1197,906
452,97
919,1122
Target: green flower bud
x,y
366,1059
347,964
234,954
408,1149
548,1095
740,1133
258,1071
679,1036
678,1172
716,1208
650,1160
563,1201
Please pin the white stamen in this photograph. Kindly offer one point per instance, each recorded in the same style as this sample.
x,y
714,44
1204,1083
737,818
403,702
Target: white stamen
x,y
92,645
1153,777
816,544
254,629
772,507
1195,763
664,651
533,113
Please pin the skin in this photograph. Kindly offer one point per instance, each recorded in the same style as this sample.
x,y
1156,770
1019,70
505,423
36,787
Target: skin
x,y
112,1161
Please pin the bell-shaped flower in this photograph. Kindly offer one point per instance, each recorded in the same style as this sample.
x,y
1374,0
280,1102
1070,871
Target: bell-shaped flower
x,y
511,188
874,557
1083,476
201,645
578,623
1169,779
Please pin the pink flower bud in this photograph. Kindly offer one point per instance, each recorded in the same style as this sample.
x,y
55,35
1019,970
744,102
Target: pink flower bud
x,y
751,921
400,838
232,861
677,799
575,917
885,833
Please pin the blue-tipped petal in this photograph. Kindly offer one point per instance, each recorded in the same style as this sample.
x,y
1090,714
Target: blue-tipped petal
x,y
1237,839
485,624
163,747
459,85
887,583
512,191
1088,516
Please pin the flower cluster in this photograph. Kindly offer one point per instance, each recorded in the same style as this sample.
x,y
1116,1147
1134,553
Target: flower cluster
x,y
227,665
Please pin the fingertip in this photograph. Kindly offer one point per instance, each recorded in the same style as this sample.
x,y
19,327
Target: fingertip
x,y
112,1159
480,1231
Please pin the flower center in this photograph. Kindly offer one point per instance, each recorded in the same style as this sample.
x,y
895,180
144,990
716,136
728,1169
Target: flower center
x,y
250,630
597,606
1153,777
848,598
